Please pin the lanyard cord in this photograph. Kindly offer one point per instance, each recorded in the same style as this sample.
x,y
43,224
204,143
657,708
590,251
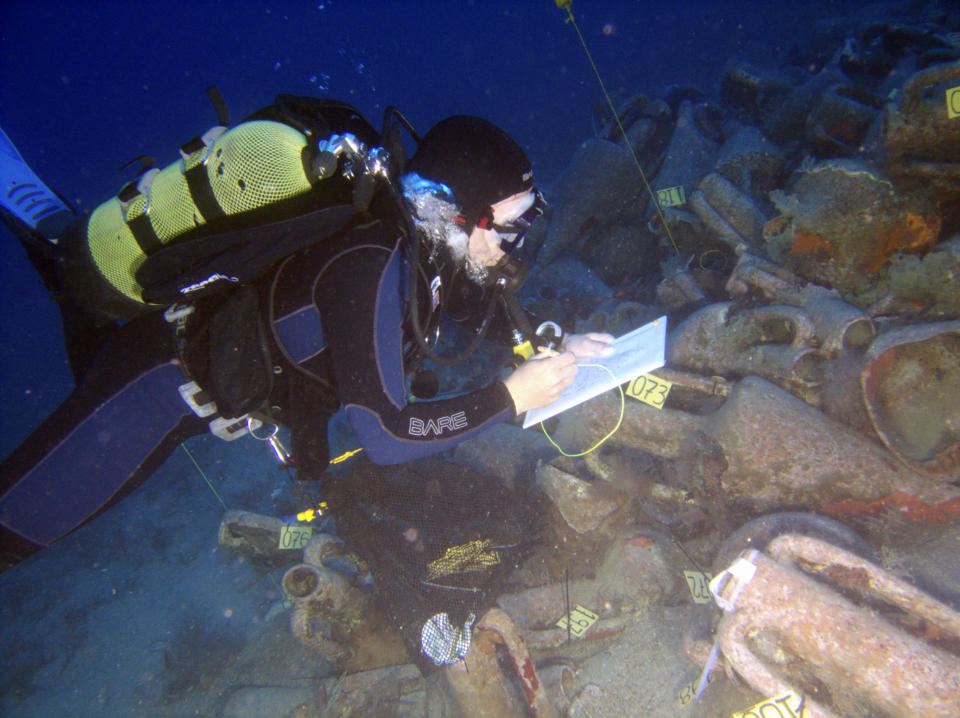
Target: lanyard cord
x,y
613,431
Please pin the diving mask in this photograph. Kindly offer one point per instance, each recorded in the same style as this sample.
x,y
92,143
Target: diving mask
x,y
512,234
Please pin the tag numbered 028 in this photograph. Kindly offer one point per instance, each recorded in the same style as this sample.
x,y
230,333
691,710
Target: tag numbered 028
x,y
649,389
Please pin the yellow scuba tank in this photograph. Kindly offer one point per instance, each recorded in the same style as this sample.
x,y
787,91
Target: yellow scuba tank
x,y
226,173
235,203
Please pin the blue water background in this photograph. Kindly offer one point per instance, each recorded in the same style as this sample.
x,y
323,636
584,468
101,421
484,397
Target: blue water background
x,y
86,86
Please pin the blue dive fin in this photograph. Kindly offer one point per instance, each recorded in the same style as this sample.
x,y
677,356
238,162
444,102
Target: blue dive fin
x,y
25,198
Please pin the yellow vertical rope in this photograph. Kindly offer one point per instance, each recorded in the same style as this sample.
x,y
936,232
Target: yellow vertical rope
x,y
219,498
276,583
565,5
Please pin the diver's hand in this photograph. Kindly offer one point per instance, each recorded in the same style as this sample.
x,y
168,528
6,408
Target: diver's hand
x,y
540,380
588,346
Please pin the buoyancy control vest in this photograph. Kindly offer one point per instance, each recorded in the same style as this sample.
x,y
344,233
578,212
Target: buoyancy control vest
x,y
237,201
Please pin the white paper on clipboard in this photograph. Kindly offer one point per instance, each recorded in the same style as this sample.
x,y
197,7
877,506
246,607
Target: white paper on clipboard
x,y
634,353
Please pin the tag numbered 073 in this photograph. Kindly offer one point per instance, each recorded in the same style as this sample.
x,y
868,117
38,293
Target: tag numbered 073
x,y
649,389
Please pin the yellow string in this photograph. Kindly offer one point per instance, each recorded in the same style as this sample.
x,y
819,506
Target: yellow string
x,y
616,117
623,402
276,583
345,455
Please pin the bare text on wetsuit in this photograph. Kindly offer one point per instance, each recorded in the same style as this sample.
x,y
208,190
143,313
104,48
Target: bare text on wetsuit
x,y
419,427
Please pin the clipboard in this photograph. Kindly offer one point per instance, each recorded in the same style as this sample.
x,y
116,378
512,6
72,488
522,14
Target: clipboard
x,y
634,353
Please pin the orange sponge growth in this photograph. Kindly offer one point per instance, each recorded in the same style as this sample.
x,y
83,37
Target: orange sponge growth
x,y
811,245
917,233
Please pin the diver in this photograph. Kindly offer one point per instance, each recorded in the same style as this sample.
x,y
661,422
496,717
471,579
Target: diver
x,y
344,322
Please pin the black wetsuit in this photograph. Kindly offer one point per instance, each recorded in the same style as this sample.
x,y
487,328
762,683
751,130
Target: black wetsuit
x,y
336,331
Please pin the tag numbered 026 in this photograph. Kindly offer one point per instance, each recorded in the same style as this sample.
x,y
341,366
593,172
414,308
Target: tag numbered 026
x,y
579,620
649,389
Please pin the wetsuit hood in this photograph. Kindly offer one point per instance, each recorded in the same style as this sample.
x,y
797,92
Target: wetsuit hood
x,y
479,162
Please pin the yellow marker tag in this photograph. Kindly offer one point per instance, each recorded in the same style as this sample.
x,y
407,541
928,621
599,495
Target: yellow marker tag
x,y
649,389
671,197
292,536
689,692
580,619
953,102
786,705
698,583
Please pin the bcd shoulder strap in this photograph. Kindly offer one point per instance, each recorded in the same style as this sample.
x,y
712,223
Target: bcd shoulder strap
x,y
200,267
